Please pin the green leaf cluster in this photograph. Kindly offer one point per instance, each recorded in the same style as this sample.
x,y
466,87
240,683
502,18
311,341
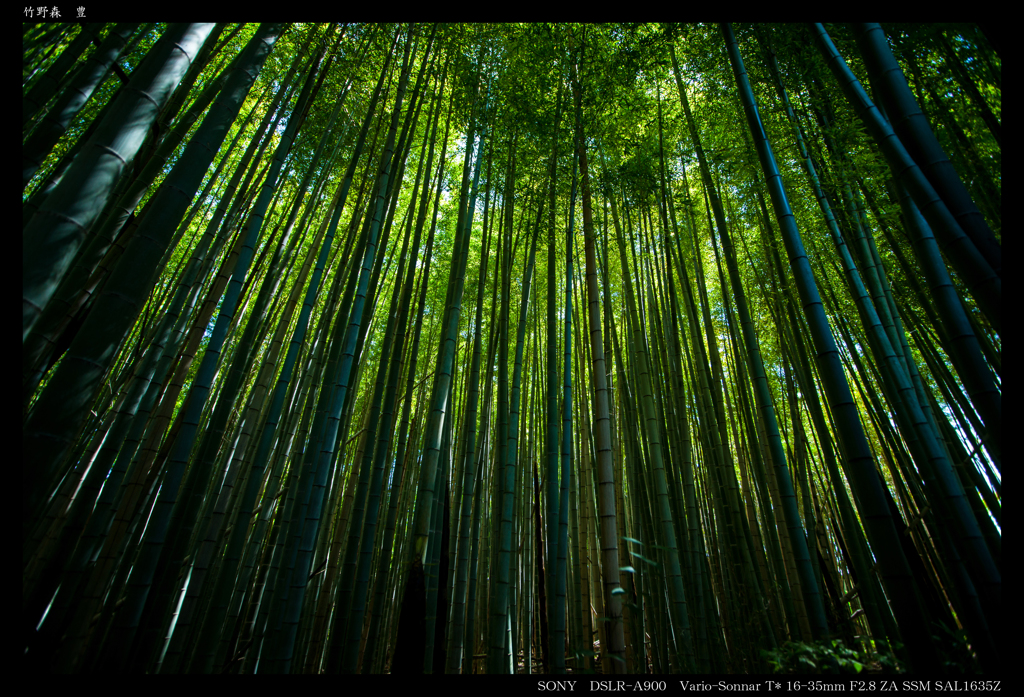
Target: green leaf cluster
x,y
829,657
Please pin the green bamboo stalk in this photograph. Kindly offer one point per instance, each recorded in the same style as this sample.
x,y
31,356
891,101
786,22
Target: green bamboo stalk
x,y
808,583
912,128
608,531
859,462
57,231
982,281
73,98
661,508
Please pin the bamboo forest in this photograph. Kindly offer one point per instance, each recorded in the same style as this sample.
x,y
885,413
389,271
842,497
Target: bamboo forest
x,y
511,348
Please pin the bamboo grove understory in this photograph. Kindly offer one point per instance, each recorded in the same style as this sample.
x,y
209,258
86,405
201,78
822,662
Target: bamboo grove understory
x,y
491,348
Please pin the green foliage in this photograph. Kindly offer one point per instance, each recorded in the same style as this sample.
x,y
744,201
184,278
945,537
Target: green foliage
x,y
957,657
828,656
